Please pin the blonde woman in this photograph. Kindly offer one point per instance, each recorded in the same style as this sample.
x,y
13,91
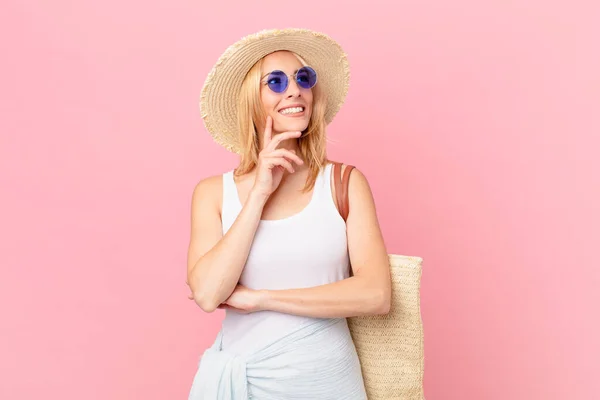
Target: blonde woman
x,y
268,243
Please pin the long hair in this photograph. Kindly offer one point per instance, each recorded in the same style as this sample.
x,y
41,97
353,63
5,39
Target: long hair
x,y
251,116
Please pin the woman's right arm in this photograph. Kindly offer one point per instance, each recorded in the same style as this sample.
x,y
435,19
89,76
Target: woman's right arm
x,y
216,261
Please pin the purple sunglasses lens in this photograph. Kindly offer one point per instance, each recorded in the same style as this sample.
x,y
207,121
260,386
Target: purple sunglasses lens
x,y
277,81
306,77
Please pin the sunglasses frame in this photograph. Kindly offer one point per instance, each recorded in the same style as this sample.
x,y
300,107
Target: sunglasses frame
x,y
294,76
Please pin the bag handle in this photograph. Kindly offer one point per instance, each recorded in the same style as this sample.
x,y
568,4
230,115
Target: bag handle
x,y
341,187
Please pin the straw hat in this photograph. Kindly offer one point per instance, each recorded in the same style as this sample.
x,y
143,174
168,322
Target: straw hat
x,y
218,100
390,347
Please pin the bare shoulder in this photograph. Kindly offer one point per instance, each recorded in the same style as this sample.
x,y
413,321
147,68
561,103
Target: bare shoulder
x,y
205,217
210,184
357,179
359,191
358,186
208,192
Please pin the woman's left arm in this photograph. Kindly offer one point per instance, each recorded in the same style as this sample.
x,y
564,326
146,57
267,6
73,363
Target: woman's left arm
x,y
367,292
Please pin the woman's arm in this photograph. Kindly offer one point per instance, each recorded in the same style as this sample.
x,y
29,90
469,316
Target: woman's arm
x,y
215,262
214,268
368,292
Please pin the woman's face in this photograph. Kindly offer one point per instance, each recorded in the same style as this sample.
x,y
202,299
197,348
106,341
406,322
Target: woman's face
x,y
290,110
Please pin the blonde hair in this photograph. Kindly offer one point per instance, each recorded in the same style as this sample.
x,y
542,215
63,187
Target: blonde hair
x,y
312,143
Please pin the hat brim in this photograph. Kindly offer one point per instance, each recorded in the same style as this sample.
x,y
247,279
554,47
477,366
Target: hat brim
x,y
218,99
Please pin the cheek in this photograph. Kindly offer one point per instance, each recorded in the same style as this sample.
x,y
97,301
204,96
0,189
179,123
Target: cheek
x,y
269,101
308,98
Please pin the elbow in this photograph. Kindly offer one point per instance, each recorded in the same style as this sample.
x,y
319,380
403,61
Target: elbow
x,y
376,299
383,303
384,307
203,297
207,304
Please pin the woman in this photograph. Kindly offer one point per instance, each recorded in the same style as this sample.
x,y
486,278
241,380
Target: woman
x,y
268,244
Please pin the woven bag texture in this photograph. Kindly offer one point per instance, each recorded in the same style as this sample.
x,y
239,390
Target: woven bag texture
x,y
390,347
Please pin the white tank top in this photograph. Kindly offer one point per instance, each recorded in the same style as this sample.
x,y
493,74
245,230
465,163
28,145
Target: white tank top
x,y
304,250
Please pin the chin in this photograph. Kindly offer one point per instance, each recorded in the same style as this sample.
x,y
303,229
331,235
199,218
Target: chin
x,y
286,124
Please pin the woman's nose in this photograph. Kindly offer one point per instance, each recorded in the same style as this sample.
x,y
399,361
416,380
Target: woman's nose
x,y
293,89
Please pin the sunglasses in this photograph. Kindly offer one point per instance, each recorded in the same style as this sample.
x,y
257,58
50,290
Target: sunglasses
x,y
278,81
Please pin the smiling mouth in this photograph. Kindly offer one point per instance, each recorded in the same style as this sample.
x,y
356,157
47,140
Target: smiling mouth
x,y
291,110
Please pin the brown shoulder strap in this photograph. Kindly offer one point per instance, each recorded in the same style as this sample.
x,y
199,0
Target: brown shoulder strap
x,y
341,187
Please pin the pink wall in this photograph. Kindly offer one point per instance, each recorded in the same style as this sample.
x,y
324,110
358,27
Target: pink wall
x,y
476,122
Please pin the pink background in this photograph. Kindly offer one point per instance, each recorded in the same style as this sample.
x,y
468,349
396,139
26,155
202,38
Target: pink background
x,y
476,123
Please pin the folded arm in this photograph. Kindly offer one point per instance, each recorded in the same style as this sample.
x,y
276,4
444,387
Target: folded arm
x,y
214,268
367,292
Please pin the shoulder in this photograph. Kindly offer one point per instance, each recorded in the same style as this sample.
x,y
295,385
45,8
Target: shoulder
x,y
358,184
358,193
209,185
357,181
208,191
361,203
357,177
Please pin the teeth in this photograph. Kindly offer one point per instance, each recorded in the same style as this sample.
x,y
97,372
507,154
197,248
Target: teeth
x,y
292,110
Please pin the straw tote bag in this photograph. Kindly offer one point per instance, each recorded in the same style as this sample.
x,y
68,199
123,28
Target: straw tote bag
x,y
390,347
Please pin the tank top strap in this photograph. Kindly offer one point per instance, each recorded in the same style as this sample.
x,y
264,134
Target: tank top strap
x,y
327,178
232,205
323,187
231,202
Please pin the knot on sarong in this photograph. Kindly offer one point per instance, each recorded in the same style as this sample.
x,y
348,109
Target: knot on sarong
x,y
222,376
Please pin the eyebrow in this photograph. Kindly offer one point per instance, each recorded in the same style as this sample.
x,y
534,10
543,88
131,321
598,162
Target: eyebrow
x,y
267,74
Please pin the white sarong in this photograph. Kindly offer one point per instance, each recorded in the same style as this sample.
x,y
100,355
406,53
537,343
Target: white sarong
x,y
316,361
